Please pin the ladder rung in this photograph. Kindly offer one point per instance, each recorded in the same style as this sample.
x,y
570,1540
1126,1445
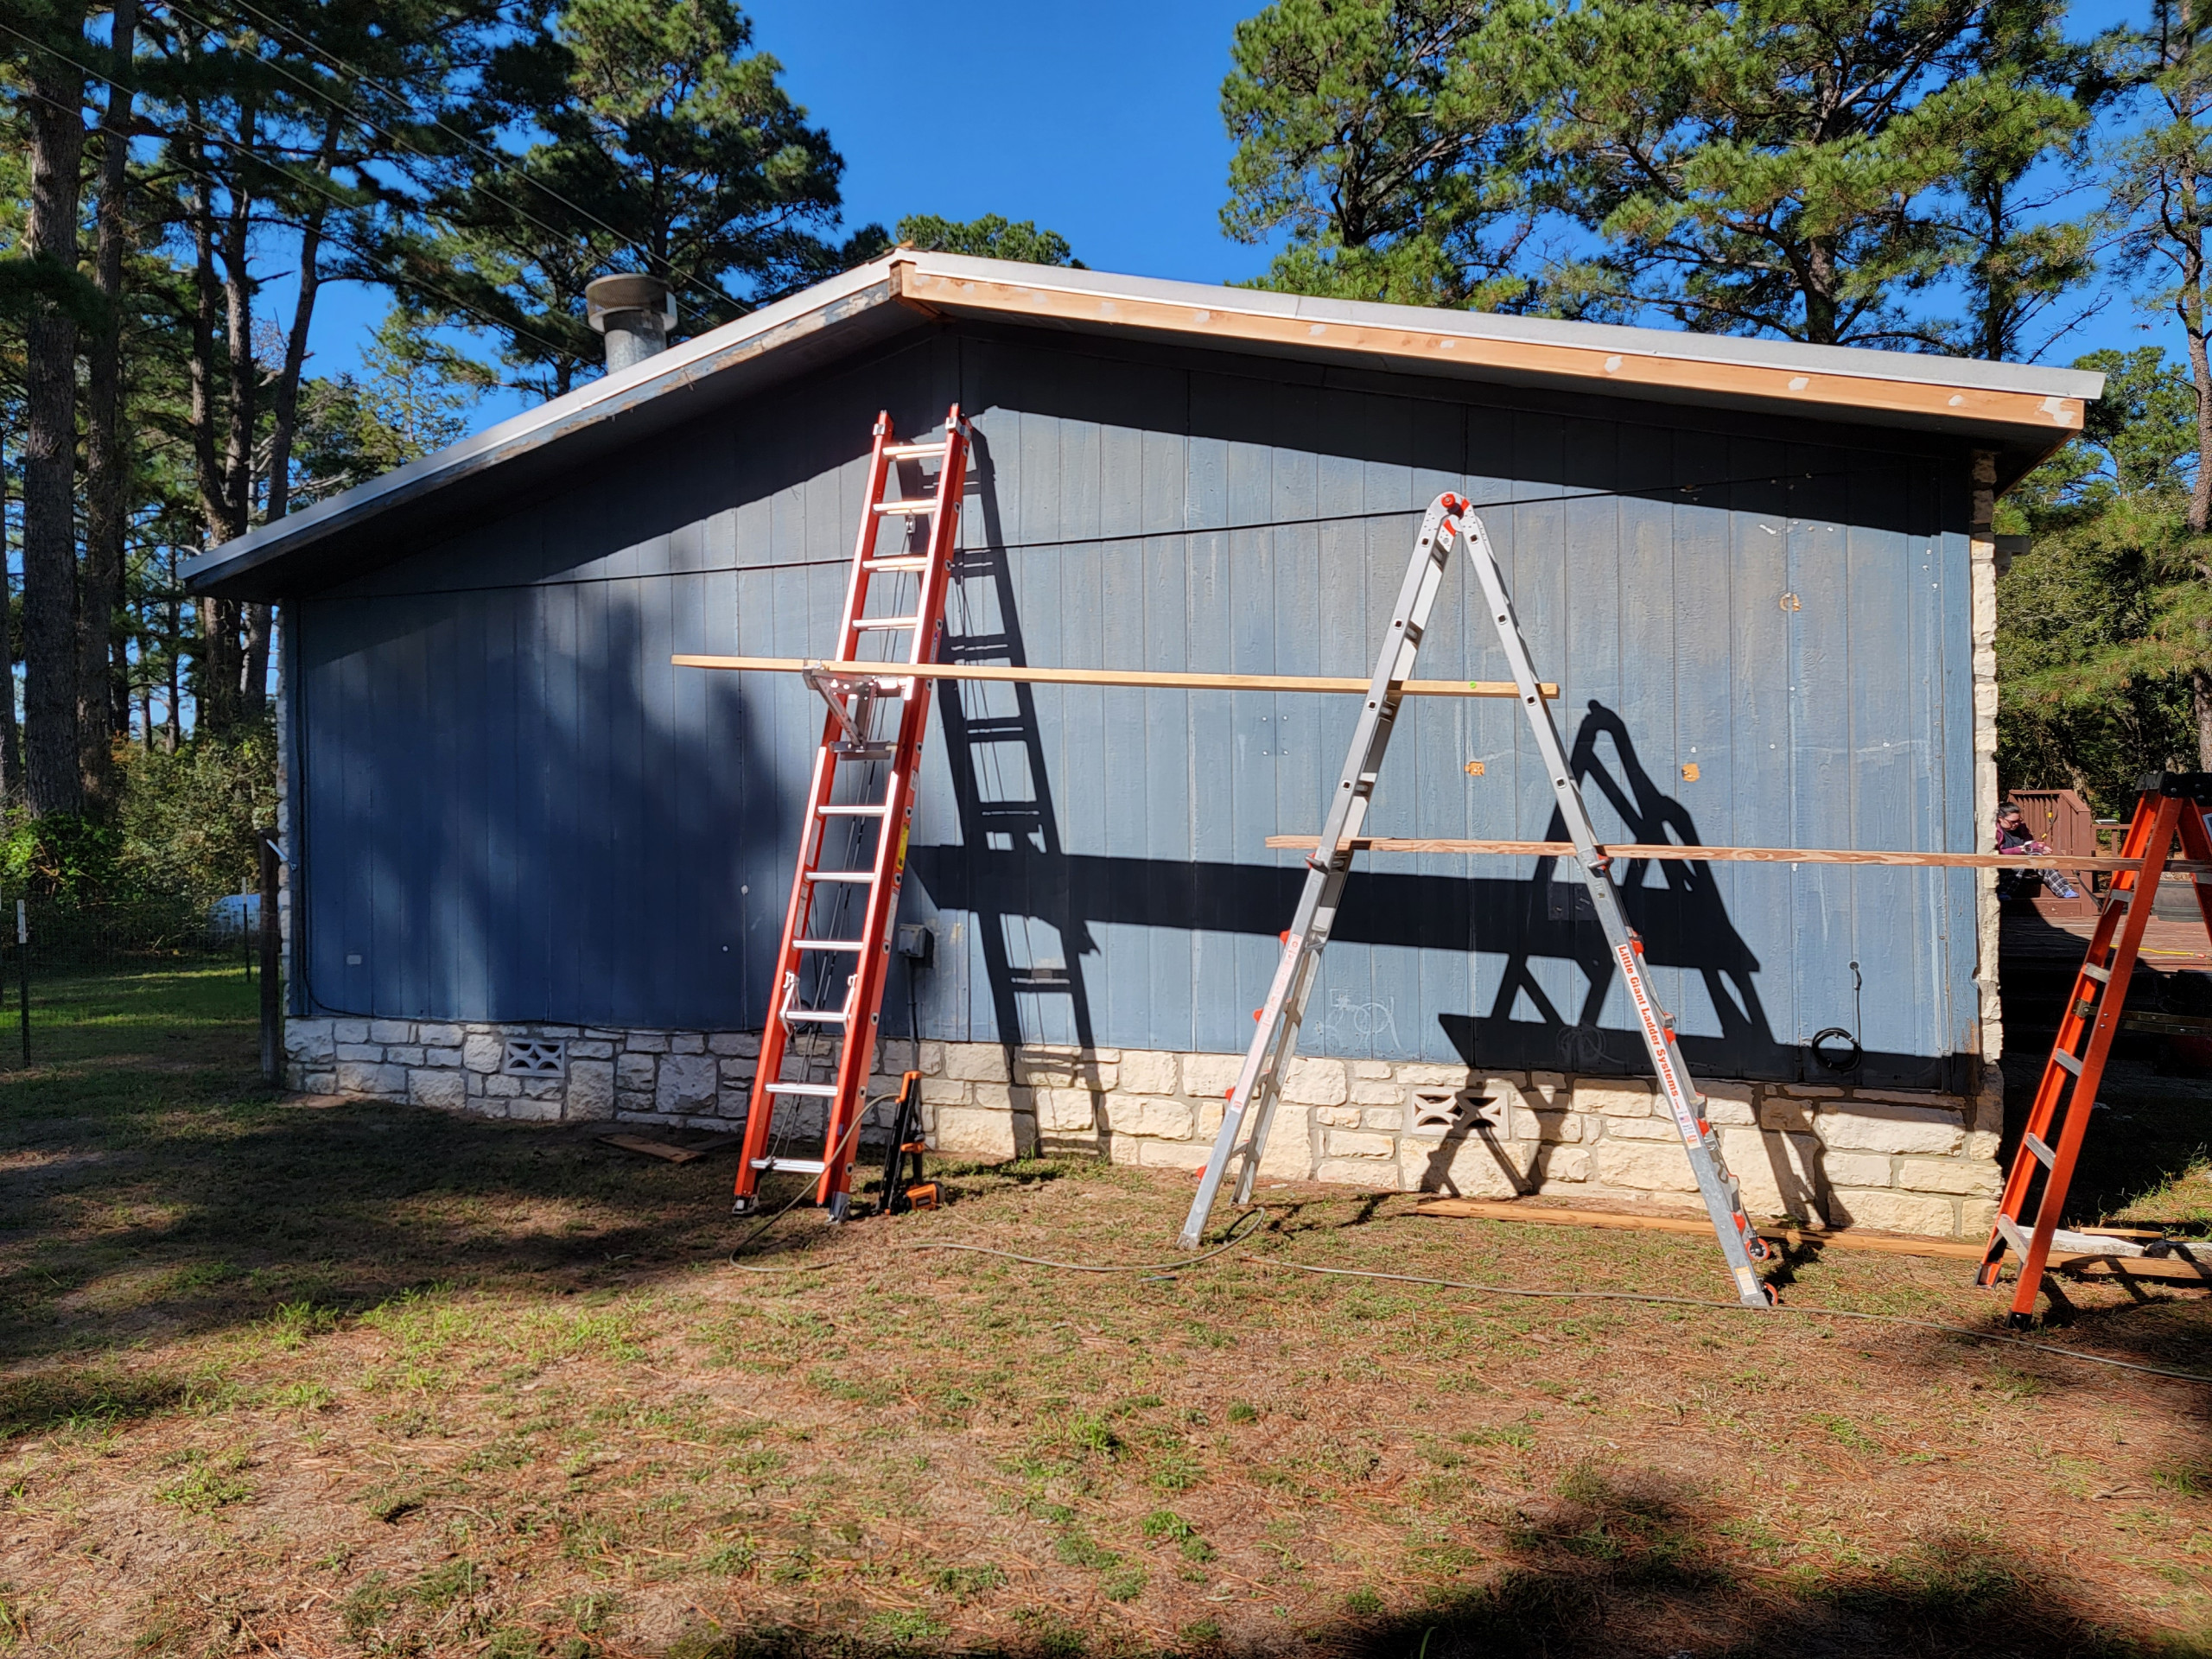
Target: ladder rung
x,y
914,451
911,505
828,945
814,1017
2120,895
894,564
845,751
2102,975
2036,1144
796,1166
818,1090
861,811
2065,1062
865,623
841,875
2007,1230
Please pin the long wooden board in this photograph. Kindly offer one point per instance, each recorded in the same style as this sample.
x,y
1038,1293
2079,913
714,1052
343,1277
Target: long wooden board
x,y
2164,1270
1667,849
1157,680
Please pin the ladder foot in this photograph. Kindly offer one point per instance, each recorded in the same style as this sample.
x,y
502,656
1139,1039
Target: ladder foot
x,y
841,1208
2021,1321
744,1206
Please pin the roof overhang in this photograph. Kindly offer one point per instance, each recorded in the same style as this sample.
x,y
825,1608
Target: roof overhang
x,y
2021,412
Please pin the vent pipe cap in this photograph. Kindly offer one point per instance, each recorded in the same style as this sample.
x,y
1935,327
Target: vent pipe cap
x,y
634,312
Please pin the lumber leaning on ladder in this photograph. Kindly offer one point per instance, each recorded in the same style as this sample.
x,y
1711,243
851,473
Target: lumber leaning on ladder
x,y
1252,1103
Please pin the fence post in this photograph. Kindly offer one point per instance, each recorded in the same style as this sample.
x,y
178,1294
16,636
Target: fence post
x,y
23,973
272,1012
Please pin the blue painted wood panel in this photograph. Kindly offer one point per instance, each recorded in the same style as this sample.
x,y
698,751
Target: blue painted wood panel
x,y
514,808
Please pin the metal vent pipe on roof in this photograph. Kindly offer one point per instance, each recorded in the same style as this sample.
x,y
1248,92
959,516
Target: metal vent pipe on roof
x,y
634,312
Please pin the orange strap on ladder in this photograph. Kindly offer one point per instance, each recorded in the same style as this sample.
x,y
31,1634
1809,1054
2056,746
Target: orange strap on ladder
x,y
818,1048
2172,805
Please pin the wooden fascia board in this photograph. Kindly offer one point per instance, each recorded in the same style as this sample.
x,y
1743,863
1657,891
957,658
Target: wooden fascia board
x,y
2047,421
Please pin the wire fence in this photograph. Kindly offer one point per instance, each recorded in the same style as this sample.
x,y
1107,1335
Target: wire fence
x,y
63,935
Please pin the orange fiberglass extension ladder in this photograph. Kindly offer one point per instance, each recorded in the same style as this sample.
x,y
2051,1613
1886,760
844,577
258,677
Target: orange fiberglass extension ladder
x,y
818,1047
2171,805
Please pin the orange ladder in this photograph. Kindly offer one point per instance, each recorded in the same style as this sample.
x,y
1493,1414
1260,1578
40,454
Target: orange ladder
x,y
819,1041
2171,803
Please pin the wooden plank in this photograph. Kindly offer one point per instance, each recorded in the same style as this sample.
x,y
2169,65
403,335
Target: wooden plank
x,y
1607,366
668,1151
1667,849
2163,1270
1159,679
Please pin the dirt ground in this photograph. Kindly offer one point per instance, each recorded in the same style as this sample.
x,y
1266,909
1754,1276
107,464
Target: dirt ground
x,y
284,1378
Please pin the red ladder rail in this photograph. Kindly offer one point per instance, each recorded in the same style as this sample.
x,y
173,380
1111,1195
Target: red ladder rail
x,y
862,772
2172,805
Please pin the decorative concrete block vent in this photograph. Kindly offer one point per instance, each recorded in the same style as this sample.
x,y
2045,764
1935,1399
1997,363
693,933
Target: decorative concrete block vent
x,y
1832,1156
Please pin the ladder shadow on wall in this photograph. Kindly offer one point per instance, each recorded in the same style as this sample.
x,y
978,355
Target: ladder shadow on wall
x,y
1684,922
1032,937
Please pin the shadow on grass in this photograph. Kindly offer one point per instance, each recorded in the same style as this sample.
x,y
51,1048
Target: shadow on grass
x,y
1611,1564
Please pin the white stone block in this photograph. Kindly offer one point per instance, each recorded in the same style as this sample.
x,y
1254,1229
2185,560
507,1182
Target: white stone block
x,y
1780,1173
409,1054
1168,1120
1364,1093
1525,1125
378,1082
1561,1164
499,1086
1869,1126
1315,1083
483,1051
1370,1070
1976,1217
1548,1091
1337,1117
1778,1111
635,1070
446,1090
1350,1143
368,1052
1371,1174
1895,1212
1613,1097
1145,1072
1289,1154
686,1042
535,1111
432,1034
1211,1075
1066,1111
976,1062
745,1043
349,1031
735,1071
1390,1119
309,1040
1964,1177
945,1091
645,1042
1465,1168
442,1057
1425,1074
1641,1128
1730,1103
688,1083
1645,1166
391,1030
591,1088
1856,1168
967,1132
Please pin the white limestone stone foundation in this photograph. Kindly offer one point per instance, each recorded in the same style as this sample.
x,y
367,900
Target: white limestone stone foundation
x,y
1832,1156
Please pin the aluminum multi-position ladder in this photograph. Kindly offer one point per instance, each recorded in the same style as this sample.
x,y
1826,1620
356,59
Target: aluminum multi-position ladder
x,y
2170,805
1251,1106
819,1044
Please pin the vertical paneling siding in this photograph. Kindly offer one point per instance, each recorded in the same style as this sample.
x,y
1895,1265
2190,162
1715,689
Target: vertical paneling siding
x,y
515,809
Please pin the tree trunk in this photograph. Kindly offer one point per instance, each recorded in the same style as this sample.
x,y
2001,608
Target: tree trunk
x,y
251,690
175,721
11,748
57,146
216,683
2200,686
106,456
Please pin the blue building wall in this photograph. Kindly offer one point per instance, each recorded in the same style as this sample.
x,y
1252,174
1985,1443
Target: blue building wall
x,y
510,807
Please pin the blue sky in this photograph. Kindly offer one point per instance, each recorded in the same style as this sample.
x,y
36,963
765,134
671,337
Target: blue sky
x,y
1104,126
